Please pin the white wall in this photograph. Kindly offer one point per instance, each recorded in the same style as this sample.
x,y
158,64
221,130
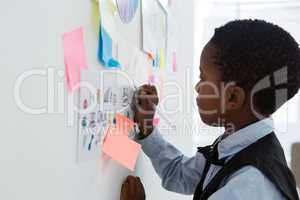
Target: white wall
x,y
38,152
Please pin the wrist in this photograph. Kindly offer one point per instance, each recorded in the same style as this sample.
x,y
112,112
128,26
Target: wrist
x,y
146,128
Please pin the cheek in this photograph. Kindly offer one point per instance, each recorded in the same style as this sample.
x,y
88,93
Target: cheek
x,y
208,98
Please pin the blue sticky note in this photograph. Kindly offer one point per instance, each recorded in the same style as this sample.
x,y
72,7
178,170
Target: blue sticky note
x,y
105,50
157,60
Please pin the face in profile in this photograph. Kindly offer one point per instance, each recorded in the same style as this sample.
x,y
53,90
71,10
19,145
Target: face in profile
x,y
208,88
219,103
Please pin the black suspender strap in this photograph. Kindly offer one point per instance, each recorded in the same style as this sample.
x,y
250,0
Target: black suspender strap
x,y
199,188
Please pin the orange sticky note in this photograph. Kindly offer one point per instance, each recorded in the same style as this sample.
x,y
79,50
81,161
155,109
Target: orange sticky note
x,y
124,124
120,148
150,56
74,56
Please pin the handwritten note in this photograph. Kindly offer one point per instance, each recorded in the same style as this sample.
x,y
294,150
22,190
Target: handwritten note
x,y
120,148
74,57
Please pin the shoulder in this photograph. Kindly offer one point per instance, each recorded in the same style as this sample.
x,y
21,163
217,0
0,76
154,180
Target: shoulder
x,y
248,183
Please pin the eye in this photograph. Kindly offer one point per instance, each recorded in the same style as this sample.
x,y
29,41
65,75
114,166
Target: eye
x,y
201,77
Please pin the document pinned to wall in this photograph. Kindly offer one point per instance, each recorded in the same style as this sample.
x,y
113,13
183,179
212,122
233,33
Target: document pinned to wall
x,y
155,21
91,120
105,99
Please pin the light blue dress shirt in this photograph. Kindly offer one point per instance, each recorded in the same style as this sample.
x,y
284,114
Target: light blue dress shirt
x,y
181,174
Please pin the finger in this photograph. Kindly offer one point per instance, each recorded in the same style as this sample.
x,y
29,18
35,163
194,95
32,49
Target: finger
x,y
125,191
130,178
147,97
140,188
151,90
132,185
145,103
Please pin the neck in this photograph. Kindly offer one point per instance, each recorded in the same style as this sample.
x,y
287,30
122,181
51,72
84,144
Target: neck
x,y
239,123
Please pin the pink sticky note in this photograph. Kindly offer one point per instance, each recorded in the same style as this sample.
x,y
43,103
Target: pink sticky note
x,y
155,121
120,148
151,79
72,75
124,124
174,62
74,56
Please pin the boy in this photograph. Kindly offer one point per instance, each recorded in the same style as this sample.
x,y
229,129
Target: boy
x,y
255,66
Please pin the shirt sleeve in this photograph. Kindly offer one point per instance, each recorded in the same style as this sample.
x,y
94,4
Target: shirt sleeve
x,y
179,173
248,183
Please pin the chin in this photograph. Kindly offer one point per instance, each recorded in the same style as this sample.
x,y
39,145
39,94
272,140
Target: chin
x,y
210,120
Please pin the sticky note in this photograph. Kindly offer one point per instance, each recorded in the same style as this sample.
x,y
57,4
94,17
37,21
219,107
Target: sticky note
x,y
155,121
150,56
74,57
108,18
161,58
112,5
151,79
105,50
124,124
120,148
161,87
157,60
95,16
174,62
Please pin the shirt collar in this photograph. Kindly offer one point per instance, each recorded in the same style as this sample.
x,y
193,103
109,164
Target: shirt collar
x,y
244,137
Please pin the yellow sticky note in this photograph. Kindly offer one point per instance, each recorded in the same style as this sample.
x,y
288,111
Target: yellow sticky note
x,y
108,18
95,16
162,59
112,6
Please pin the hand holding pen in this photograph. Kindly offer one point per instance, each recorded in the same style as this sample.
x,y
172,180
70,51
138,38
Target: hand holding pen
x,y
144,107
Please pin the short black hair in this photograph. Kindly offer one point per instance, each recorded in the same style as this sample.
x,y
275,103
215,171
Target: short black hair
x,y
249,51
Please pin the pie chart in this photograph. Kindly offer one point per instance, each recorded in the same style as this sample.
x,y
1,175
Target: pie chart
x,y
127,9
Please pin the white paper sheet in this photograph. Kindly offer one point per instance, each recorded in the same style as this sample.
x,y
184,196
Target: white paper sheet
x,y
154,27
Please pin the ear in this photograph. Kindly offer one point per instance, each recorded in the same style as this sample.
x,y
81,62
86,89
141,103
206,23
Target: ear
x,y
235,97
